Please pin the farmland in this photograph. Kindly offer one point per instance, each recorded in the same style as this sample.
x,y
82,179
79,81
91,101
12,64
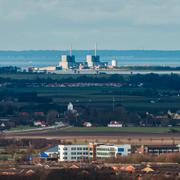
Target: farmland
x,y
121,130
103,97
130,135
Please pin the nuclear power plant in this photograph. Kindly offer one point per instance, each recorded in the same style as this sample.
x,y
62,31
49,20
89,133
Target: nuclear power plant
x,y
92,62
68,62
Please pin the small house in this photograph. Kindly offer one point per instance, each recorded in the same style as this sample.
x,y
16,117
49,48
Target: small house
x,y
40,124
115,124
87,124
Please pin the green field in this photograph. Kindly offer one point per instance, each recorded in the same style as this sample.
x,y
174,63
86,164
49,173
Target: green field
x,y
27,76
123,129
19,128
33,76
132,98
103,97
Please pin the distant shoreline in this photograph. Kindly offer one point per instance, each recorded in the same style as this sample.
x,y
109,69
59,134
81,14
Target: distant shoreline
x,y
128,70
83,72
43,58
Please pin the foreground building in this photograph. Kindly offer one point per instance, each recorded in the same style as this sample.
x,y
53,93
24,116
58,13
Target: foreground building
x,y
159,149
50,154
91,151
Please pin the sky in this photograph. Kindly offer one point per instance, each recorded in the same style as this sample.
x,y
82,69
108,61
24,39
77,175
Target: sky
x,y
112,24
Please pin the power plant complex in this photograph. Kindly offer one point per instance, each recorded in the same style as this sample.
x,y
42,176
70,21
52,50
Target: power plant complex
x,y
92,62
68,62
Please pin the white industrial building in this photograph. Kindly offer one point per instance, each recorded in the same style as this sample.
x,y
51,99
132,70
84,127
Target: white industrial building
x,y
67,62
93,61
114,63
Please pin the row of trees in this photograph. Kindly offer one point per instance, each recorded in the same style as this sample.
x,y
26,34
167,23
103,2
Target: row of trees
x,y
99,116
139,158
149,80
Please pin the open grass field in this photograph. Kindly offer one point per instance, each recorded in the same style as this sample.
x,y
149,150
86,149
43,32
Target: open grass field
x,y
33,76
20,76
129,97
123,129
101,130
20,128
130,135
103,97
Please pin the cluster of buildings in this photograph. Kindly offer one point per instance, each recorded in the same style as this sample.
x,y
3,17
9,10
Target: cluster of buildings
x,y
159,149
112,124
91,151
68,62
92,62
102,151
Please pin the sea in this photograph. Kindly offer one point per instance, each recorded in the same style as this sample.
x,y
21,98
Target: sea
x,y
44,58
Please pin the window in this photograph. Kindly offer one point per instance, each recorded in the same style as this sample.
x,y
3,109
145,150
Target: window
x,y
65,153
120,149
104,149
85,153
65,148
102,153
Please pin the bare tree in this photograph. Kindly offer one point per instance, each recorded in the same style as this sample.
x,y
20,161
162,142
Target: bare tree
x,y
51,117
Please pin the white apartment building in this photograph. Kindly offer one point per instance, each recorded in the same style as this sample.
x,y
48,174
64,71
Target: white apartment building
x,y
72,152
112,151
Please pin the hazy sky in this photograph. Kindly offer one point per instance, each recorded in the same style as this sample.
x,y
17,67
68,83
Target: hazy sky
x,y
113,24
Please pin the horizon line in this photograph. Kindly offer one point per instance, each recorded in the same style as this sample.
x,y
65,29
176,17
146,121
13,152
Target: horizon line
x,y
13,50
